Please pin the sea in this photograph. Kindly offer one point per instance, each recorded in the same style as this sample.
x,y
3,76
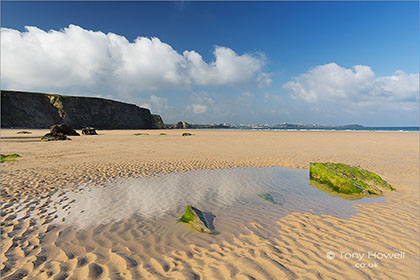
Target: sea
x,y
376,129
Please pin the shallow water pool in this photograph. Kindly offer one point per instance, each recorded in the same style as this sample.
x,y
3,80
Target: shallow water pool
x,y
130,226
236,196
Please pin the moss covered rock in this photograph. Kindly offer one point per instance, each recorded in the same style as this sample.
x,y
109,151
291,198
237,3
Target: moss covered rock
x,y
198,220
141,133
186,134
11,157
343,178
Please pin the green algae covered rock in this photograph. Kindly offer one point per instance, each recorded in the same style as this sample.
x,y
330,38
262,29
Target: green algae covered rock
x,y
187,134
348,179
11,157
140,133
198,220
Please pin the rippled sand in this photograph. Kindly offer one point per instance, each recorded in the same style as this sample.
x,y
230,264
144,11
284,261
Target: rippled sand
x,y
293,247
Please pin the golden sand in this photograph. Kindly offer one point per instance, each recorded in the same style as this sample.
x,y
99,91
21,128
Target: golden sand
x,y
297,245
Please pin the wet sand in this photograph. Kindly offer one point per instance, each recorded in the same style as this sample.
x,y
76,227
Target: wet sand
x,y
294,247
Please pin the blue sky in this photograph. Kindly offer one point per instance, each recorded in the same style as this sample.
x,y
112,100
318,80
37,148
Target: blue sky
x,y
261,62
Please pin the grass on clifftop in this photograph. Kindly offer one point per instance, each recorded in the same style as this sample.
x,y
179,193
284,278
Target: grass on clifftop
x,y
348,179
11,157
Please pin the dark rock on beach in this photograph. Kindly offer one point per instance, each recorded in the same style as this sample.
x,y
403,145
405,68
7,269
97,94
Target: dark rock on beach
x,y
89,131
63,129
24,132
59,132
54,137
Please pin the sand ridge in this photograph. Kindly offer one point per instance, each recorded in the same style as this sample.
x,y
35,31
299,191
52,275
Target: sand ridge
x,y
295,248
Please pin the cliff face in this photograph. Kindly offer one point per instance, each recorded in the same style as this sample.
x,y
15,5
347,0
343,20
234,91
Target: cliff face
x,y
158,122
38,110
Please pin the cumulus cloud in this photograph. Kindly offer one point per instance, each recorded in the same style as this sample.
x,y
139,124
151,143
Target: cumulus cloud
x,y
228,68
358,85
78,59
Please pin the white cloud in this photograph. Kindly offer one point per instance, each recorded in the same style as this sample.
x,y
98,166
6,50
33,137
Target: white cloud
x,y
76,59
201,102
156,104
359,85
228,68
158,101
264,80
272,97
201,97
198,108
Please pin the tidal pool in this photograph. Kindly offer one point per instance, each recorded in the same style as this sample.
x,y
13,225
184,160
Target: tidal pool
x,y
136,219
235,196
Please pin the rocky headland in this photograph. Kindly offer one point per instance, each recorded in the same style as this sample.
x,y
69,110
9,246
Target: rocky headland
x,y
39,110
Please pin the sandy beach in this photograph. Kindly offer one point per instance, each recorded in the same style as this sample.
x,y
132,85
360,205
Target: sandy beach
x,y
380,241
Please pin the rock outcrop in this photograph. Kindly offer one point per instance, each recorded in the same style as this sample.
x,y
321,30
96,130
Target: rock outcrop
x,y
179,125
89,131
157,122
63,129
346,179
59,132
39,110
54,137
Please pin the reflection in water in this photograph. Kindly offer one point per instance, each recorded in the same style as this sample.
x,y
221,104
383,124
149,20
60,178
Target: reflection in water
x,y
251,192
329,190
136,219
